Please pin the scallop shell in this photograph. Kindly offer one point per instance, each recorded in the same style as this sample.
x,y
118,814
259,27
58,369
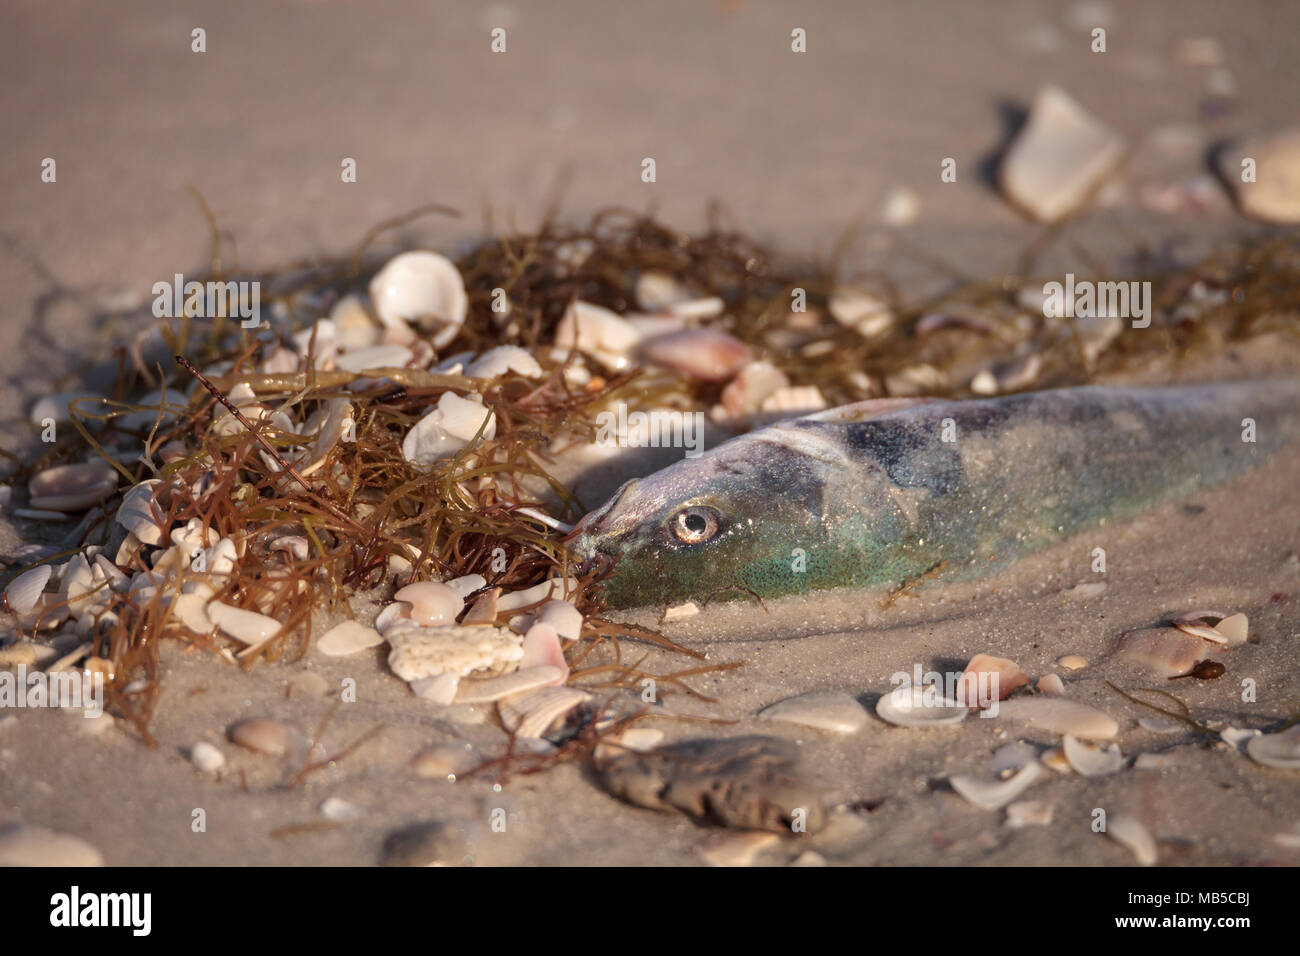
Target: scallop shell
x,y
72,487
992,794
424,288
532,714
914,707
1092,760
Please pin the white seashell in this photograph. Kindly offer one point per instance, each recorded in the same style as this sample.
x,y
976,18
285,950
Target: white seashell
x,y
597,332
348,638
72,487
1050,684
26,844
1060,715
1155,725
353,327
432,603
564,617
909,706
1206,625
532,714
140,514
752,385
736,849
900,207
542,649
504,358
659,292
1010,758
376,356
1277,750
192,611
76,581
447,429
1129,833
25,590
1092,760
467,584
439,689
993,794
334,808
57,407
866,314
1153,762
429,651
1029,813
551,588
1235,627
247,627
681,612
393,617
424,288
822,710
1059,158
206,757
508,685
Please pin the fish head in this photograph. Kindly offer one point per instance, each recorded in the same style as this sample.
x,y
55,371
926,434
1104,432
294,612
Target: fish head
x,y
734,519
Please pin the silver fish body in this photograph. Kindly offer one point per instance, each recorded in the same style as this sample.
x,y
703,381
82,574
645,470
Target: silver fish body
x,y
879,492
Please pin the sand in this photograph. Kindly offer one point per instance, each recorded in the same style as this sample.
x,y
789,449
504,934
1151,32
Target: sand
x,y
795,150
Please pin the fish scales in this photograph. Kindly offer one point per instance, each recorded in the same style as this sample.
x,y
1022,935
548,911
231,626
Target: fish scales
x,y
880,492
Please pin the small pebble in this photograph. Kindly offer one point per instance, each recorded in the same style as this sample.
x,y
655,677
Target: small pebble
x,y
206,757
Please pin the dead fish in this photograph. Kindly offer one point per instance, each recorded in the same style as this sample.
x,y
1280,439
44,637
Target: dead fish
x,y
883,491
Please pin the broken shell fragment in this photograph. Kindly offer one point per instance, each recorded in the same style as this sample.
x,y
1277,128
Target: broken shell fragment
x,y
532,714
1276,750
1092,760
705,354
994,794
1136,838
866,314
266,736
25,590
72,487
447,429
432,603
1213,626
504,358
597,332
348,638
1060,715
521,681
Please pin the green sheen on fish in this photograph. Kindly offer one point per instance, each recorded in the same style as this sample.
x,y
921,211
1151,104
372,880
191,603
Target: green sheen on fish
x,y
880,492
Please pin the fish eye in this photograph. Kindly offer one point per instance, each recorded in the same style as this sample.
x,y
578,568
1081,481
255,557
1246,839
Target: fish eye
x,y
695,525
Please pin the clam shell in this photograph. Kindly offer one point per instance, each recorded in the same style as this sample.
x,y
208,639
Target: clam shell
x,y
1092,760
1276,750
532,714
206,757
542,649
72,487
424,288
25,590
992,794
141,515
247,627
348,638
467,584
432,603
447,429
913,707
823,710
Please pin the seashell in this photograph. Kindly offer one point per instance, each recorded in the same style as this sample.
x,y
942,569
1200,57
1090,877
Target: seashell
x,y
542,649
467,584
988,673
447,429
793,400
1132,835
1050,684
1153,762
443,761
707,307
597,332
857,309
1054,758
1060,157
353,327
432,603
1072,662
1275,195
26,844
72,487
192,611
1238,737
659,292
338,810
1010,758
680,612
141,514
1276,750
424,288
1166,651
736,849
77,582
551,588
900,207
564,617
745,393
705,354
265,736
1156,726
1206,625
1061,716
57,407
24,591
1029,813
329,424
834,712
393,617
206,757
429,651
376,356
1092,760
933,322
348,638
994,794
439,689
504,358
484,609
532,714
247,627
525,679
910,706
